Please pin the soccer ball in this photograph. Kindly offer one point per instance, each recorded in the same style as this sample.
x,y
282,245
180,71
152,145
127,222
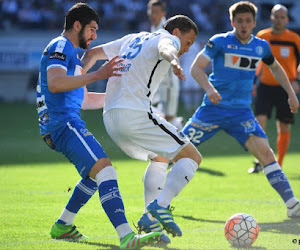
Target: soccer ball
x,y
241,230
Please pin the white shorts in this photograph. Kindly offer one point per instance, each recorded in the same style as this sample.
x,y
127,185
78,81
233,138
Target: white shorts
x,y
143,135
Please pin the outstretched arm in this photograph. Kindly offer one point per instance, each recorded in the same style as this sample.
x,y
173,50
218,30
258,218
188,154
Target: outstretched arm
x,y
168,52
90,57
282,78
59,81
197,71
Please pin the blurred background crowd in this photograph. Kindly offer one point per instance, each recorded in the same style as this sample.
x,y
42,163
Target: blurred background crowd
x,y
27,26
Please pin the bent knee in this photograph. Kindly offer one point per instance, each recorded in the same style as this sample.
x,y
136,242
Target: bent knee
x,y
98,166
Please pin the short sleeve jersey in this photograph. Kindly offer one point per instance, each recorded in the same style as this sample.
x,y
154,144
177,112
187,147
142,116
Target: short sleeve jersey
x,y
233,67
286,49
143,70
54,109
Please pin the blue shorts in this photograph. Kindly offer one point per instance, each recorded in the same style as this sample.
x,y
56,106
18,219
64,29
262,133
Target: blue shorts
x,y
79,145
208,120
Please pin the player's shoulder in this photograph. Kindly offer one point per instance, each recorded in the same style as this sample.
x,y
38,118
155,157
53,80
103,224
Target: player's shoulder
x,y
61,44
264,33
292,34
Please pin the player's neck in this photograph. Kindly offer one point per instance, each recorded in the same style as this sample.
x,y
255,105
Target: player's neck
x,y
277,31
72,37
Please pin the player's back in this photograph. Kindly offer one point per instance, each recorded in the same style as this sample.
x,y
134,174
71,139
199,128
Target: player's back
x,y
143,70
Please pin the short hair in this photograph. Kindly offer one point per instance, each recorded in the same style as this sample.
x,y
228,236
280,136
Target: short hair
x,y
157,3
81,12
242,7
277,7
183,23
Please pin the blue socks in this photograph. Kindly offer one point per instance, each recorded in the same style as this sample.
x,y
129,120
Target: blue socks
x,y
112,203
279,182
83,191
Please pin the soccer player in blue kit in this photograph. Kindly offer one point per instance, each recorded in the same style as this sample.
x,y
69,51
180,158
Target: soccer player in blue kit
x,y
235,56
61,93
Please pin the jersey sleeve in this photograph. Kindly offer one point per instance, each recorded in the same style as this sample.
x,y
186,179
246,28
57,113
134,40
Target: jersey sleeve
x,y
170,40
113,48
212,47
59,55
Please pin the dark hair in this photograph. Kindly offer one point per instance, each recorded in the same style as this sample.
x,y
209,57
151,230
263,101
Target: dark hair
x,y
81,12
157,3
183,23
242,7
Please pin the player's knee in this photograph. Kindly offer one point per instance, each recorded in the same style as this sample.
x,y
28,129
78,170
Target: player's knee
x,y
98,166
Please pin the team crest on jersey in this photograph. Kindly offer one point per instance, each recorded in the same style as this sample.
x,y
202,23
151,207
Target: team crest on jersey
x,y
243,62
57,55
85,132
259,50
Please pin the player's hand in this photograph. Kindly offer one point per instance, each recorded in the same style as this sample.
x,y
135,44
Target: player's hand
x,y
214,96
177,70
110,68
294,104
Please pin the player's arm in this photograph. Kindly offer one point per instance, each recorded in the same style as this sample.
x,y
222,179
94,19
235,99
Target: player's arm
x,y
90,57
92,100
197,71
296,82
169,52
282,78
59,81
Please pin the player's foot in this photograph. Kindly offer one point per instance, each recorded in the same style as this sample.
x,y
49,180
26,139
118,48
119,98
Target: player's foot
x,y
294,212
59,231
164,216
133,241
147,225
256,169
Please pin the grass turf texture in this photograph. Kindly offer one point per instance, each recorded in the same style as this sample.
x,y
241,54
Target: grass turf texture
x,y
35,183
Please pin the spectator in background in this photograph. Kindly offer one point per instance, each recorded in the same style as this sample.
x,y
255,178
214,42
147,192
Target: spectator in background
x,y
167,96
285,45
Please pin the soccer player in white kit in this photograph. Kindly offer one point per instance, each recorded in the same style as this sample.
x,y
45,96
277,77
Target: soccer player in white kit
x,y
133,126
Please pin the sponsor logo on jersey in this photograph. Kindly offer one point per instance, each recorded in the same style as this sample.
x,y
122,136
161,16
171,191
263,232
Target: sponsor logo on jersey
x,y
210,44
230,46
204,126
57,55
243,62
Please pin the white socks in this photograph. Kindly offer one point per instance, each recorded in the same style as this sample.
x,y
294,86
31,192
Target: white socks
x,y
154,179
180,174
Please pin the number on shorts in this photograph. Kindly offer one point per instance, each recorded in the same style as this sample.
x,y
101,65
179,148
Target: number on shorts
x,y
194,135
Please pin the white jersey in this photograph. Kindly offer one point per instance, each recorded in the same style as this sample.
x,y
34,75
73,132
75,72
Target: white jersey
x,y
143,69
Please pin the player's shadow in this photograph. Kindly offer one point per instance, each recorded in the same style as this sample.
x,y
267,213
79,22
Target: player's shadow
x,y
289,226
209,171
100,245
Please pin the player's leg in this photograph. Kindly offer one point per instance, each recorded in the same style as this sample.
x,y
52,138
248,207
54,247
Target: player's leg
x,y
81,148
260,148
263,108
283,140
284,119
181,173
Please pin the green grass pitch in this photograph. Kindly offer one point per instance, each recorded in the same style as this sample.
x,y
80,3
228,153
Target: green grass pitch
x,y
35,183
